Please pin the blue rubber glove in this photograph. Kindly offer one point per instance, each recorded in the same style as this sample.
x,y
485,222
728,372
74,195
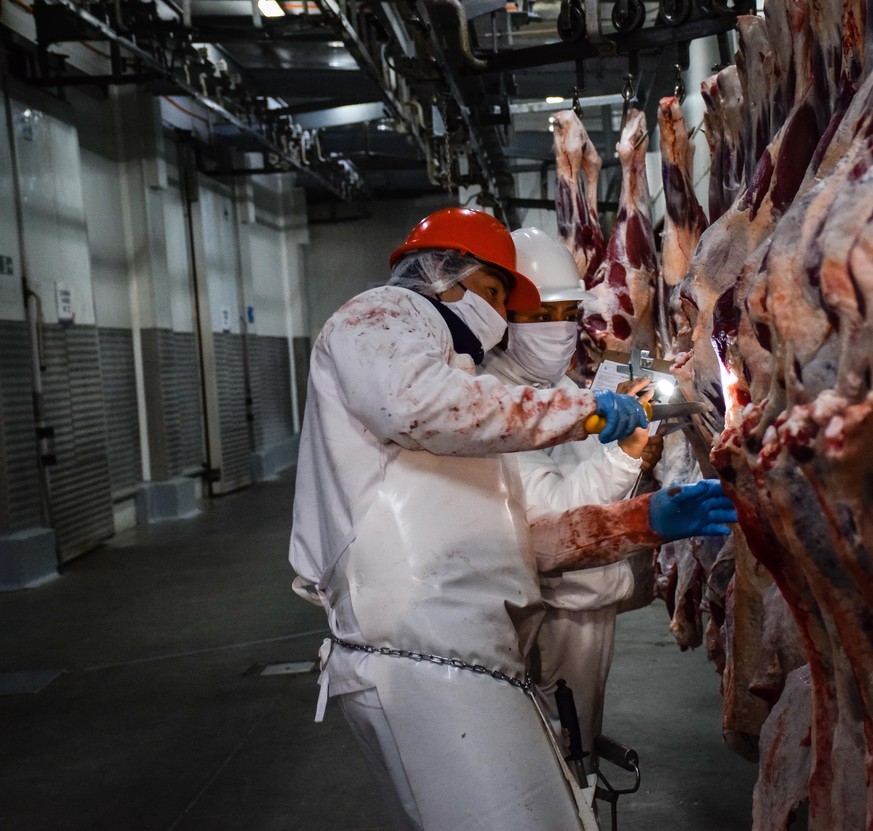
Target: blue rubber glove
x,y
698,510
623,414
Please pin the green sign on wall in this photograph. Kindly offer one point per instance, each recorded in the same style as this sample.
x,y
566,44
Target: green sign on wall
x,y
6,265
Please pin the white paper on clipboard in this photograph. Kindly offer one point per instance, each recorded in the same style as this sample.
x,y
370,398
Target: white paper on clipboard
x,y
613,369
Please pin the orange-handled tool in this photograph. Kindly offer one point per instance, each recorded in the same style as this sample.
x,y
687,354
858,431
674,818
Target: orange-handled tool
x,y
596,423
654,412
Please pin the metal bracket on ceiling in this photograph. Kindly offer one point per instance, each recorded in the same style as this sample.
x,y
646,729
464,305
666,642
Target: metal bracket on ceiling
x,y
625,42
332,11
256,15
157,64
474,63
593,33
580,20
724,51
454,92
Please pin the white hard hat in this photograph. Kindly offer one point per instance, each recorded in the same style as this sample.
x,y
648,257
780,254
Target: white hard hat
x,y
549,265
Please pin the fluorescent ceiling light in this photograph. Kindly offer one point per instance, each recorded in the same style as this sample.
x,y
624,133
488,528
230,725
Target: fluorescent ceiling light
x,y
554,99
335,44
270,8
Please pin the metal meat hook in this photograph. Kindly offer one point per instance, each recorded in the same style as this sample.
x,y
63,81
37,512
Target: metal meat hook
x,y
628,92
577,104
679,84
580,85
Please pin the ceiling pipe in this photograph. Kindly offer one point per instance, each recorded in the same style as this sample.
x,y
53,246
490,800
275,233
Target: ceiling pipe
x,y
499,182
474,63
331,10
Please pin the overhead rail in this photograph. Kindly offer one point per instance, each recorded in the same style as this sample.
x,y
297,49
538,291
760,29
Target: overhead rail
x,y
654,38
287,147
400,110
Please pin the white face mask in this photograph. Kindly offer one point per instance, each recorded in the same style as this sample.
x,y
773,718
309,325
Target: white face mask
x,y
481,317
543,350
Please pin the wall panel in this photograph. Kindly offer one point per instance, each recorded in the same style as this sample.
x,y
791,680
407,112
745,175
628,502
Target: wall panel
x,y
172,379
122,421
236,444
20,502
79,485
271,391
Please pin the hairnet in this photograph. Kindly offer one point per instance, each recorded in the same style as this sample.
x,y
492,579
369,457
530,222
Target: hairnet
x,y
432,272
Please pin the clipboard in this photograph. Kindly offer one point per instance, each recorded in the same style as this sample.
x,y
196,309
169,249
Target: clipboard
x,y
616,367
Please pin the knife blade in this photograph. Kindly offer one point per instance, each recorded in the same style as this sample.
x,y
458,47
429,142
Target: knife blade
x,y
655,412
660,412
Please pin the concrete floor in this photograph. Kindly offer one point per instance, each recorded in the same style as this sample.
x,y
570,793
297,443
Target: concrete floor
x,y
162,719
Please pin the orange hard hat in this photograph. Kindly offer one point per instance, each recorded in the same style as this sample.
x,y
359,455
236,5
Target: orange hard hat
x,y
481,236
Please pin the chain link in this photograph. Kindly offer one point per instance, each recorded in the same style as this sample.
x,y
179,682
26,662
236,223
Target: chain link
x,y
525,684
444,154
679,84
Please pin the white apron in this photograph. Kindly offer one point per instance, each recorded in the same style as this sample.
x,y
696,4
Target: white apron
x,y
441,564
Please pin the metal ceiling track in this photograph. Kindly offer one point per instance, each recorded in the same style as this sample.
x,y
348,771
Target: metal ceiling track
x,y
492,183
655,38
336,179
332,12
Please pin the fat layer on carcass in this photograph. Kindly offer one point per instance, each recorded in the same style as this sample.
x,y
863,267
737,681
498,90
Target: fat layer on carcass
x,y
763,110
723,120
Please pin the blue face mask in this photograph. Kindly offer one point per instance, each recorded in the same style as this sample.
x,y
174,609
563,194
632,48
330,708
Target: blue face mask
x,y
481,318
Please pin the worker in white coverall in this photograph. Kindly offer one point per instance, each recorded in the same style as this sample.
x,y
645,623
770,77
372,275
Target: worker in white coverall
x,y
577,635
410,530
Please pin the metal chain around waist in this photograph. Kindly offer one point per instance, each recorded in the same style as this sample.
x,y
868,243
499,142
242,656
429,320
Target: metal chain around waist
x,y
525,684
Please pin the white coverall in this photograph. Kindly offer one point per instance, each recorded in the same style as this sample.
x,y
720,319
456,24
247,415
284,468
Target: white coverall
x,y
577,636
412,528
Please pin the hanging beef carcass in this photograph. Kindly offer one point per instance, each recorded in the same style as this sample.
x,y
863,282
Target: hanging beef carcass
x,y
727,245
750,676
794,331
684,222
621,315
578,168
723,122
785,751
798,442
686,565
779,294
762,108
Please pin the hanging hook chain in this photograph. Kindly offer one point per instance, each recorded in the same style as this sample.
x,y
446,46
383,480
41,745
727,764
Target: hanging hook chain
x,y
577,104
442,105
679,84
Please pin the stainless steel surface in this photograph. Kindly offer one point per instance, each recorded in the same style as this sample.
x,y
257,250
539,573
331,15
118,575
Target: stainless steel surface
x,y
660,412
